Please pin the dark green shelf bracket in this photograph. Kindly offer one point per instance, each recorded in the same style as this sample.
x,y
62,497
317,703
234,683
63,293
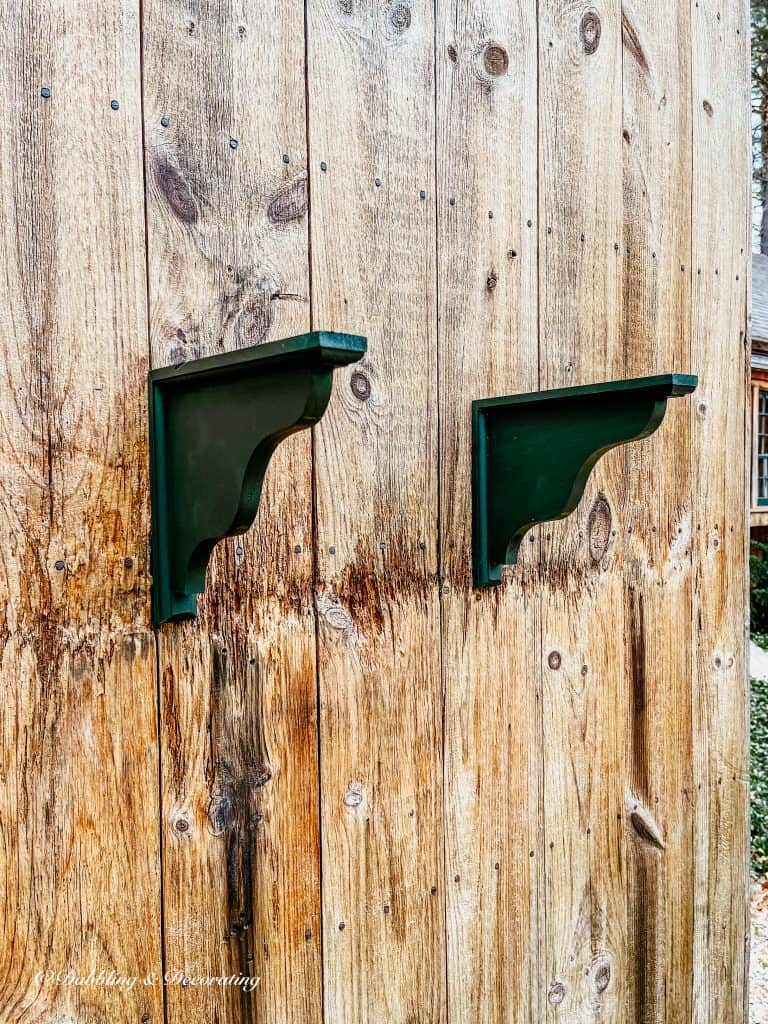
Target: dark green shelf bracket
x,y
213,426
532,454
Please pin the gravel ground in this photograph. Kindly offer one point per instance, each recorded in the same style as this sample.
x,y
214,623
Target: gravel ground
x,y
758,961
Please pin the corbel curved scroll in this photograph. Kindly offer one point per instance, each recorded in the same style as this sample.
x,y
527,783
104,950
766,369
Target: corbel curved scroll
x,y
532,455
214,424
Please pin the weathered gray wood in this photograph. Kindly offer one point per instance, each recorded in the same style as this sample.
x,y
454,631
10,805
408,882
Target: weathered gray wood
x,y
488,345
371,121
720,353
658,503
228,246
79,864
584,662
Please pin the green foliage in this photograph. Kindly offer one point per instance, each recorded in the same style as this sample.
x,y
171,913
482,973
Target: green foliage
x,y
758,591
759,775
760,118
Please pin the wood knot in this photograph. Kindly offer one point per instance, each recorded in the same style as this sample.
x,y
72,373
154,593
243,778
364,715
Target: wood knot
x,y
491,281
177,192
354,794
400,17
599,528
554,660
221,813
556,994
590,31
360,386
289,203
181,824
495,60
631,40
255,319
452,54
708,110
602,977
646,828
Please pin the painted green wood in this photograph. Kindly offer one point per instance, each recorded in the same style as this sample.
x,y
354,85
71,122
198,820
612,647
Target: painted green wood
x,y
532,455
214,424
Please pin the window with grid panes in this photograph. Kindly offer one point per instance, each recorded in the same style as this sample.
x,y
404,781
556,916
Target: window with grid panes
x,y
762,447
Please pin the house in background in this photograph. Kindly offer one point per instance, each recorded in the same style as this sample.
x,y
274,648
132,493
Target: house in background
x,y
758,517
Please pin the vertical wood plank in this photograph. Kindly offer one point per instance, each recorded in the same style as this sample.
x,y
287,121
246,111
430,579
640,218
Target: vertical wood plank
x,y
79,857
486,58
655,335
584,664
371,118
720,355
228,244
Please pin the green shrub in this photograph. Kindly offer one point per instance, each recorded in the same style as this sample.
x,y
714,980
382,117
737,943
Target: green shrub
x,y
758,591
759,774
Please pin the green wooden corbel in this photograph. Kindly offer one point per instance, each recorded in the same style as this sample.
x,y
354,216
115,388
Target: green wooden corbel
x,y
213,426
532,454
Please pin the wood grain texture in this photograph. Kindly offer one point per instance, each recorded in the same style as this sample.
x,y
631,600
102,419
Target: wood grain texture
x,y
584,665
488,345
388,796
720,353
371,119
655,334
227,210
79,856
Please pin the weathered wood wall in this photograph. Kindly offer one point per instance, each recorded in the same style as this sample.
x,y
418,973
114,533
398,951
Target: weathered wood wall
x,y
390,797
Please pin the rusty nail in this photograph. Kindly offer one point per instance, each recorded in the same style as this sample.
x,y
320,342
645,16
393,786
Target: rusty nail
x,y
286,158
323,165
233,143
377,182
115,105
45,92
128,562
331,550
422,194
59,565
164,122
297,549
